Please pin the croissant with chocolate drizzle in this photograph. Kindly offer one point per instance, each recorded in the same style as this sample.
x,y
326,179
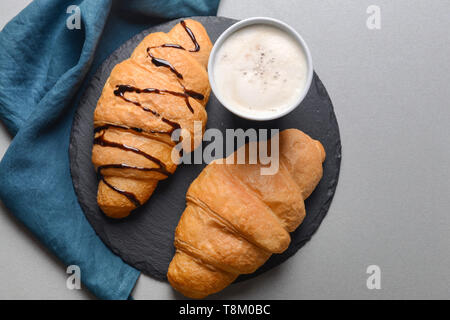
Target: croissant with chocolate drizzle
x,y
163,86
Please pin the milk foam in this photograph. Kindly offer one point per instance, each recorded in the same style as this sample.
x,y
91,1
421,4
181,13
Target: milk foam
x,y
260,69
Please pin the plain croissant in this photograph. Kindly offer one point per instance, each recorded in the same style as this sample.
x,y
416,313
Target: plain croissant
x,y
236,218
163,86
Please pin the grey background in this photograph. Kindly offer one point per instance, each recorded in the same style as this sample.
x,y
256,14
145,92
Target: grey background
x,y
391,93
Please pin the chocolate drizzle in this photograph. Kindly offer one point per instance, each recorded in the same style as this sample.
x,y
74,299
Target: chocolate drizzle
x,y
120,92
106,126
139,130
159,62
164,63
122,89
191,35
127,194
100,140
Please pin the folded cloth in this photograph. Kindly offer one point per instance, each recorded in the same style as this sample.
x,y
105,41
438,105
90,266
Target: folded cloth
x,y
46,61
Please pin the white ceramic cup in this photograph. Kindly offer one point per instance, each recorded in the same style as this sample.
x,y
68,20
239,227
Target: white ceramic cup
x,y
254,115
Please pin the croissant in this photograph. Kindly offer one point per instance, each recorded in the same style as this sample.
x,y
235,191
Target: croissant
x,y
163,86
236,218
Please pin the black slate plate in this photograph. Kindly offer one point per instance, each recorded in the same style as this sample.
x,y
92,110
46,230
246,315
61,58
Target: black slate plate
x,y
145,238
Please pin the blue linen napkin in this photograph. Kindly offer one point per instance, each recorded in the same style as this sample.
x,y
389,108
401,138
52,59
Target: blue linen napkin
x,y
44,68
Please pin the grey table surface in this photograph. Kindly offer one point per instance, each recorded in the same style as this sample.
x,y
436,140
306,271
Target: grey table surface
x,y
391,93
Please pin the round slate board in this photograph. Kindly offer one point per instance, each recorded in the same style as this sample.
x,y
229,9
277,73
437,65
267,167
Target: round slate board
x,y
145,238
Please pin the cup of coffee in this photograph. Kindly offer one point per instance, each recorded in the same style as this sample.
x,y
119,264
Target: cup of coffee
x,y
260,69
